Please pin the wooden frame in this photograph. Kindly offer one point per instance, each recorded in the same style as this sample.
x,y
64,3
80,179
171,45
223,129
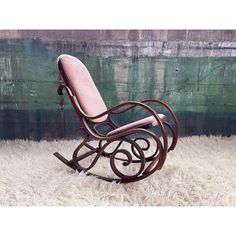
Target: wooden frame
x,y
137,153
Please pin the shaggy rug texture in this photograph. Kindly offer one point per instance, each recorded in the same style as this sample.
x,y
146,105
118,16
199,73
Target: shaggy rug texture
x,y
200,172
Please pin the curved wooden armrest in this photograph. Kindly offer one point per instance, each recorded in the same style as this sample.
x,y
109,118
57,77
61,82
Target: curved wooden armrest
x,y
113,110
168,108
174,118
133,104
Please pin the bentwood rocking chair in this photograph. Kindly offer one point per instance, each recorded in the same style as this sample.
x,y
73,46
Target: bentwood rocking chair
x,y
93,114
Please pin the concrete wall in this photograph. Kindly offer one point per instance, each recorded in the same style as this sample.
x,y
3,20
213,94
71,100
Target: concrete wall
x,y
127,35
135,43
194,71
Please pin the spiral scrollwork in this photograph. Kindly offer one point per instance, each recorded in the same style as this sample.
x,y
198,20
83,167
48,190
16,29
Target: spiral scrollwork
x,y
122,158
144,148
127,162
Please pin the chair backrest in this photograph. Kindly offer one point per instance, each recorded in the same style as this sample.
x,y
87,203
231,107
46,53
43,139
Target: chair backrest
x,y
80,82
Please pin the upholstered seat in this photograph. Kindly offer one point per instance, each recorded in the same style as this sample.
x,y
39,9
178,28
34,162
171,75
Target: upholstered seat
x,y
145,122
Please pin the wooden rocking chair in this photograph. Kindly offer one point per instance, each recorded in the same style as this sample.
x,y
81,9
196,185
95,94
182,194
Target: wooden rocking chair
x,y
93,114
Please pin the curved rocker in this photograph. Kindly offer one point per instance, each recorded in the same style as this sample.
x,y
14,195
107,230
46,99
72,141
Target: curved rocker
x,y
93,114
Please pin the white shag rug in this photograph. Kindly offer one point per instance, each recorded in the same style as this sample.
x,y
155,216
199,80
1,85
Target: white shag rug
x,y
201,171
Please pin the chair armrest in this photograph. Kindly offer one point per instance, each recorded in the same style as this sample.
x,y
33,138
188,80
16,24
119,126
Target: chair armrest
x,y
133,104
174,118
113,110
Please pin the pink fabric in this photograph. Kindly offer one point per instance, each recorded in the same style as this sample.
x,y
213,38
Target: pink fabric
x,y
150,120
80,82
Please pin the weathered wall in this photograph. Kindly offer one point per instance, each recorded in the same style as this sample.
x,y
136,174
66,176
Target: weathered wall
x,y
134,43
194,71
127,35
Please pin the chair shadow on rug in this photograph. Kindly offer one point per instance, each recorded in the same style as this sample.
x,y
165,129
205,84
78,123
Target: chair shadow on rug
x,y
93,114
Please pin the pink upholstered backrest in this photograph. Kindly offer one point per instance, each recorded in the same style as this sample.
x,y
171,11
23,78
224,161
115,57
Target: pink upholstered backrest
x,y
78,79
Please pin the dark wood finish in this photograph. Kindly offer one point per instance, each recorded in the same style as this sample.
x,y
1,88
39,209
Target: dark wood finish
x,y
136,155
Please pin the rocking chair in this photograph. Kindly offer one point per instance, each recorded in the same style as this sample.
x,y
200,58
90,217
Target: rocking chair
x,y
93,114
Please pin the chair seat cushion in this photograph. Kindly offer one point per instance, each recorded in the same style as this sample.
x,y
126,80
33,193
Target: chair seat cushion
x,y
148,121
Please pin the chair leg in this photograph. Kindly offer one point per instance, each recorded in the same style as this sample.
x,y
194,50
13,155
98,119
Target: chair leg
x,y
73,163
64,160
146,164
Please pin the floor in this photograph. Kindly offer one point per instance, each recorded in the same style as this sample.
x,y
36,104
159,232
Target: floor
x,y
201,171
